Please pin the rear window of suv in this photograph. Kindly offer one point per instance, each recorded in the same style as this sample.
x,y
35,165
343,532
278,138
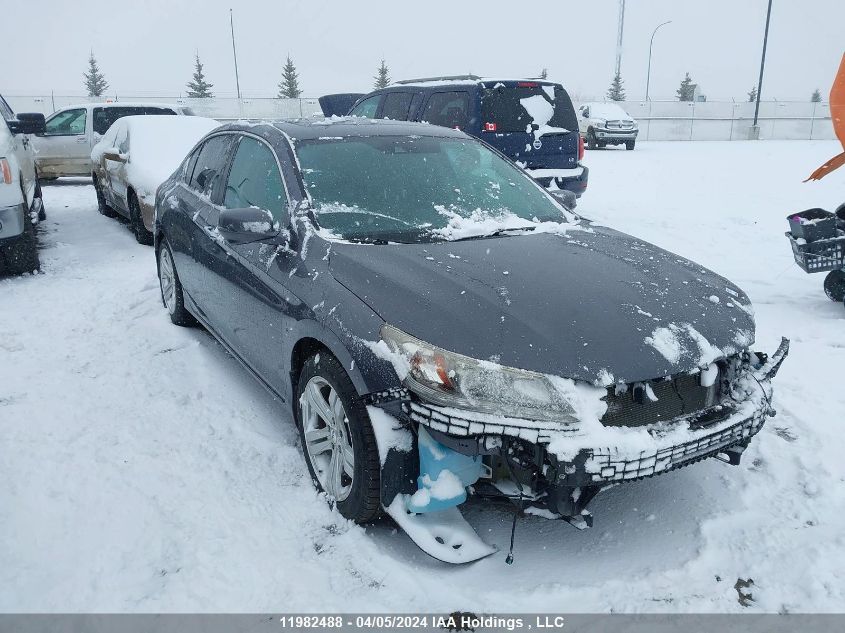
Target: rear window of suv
x,y
516,107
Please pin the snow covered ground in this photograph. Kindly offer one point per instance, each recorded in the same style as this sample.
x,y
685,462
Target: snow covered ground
x,y
142,469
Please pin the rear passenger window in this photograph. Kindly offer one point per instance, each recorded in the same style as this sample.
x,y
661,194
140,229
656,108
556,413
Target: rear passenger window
x,y
367,108
209,164
397,105
449,109
255,181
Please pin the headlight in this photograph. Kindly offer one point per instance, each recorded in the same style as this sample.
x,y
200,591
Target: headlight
x,y
453,380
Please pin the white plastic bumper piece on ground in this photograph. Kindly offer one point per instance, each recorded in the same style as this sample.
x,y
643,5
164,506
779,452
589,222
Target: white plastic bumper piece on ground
x,y
444,535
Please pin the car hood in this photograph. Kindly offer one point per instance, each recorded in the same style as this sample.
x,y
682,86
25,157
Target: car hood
x,y
595,304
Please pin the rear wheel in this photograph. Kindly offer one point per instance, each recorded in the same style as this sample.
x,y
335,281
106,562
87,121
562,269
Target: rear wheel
x,y
337,438
102,205
136,221
171,288
834,285
630,144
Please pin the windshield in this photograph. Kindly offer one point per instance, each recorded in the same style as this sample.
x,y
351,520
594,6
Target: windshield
x,y
411,188
525,107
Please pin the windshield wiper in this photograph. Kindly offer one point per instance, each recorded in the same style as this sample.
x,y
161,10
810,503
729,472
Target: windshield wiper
x,y
496,233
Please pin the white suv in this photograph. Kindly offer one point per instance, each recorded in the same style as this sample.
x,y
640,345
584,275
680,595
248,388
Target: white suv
x,y
21,207
604,124
64,149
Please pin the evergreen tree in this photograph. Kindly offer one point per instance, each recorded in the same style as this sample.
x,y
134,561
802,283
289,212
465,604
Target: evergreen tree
x,y
687,90
289,86
198,87
382,76
95,81
616,92
544,74
752,95
816,97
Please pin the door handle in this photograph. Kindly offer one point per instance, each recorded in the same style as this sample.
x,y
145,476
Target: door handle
x,y
81,139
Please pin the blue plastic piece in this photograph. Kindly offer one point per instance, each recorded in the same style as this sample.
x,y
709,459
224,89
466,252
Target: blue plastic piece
x,y
444,476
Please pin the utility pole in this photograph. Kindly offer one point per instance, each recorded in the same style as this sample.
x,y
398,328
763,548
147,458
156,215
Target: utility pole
x,y
619,37
648,74
235,54
754,133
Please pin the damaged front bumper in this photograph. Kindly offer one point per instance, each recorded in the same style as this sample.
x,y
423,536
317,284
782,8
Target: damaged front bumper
x,y
559,470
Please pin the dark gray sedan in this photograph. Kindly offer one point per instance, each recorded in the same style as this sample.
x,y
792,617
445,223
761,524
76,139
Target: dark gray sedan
x,y
441,325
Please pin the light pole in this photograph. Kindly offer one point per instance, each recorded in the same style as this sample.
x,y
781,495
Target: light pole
x,y
235,54
648,74
754,133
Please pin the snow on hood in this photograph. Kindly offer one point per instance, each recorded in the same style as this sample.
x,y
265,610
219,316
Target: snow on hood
x,y
598,305
608,112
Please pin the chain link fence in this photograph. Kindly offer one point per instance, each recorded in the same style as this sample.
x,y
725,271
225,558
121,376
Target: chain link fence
x,y
658,120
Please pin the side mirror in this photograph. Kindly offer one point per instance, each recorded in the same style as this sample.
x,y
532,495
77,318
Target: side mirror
x,y
205,177
28,123
567,198
112,153
243,226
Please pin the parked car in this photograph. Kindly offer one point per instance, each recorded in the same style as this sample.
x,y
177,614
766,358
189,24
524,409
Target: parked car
x,y
134,157
604,124
532,121
435,320
64,148
21,205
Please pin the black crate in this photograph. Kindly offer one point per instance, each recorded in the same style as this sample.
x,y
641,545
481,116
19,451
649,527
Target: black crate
x,y
821,255
823,225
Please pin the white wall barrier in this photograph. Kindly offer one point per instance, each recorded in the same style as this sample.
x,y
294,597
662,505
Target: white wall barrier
x,y
658,120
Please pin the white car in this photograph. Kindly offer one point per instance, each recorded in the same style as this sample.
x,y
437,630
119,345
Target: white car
x,y
604,124
64,149
21,208
134,157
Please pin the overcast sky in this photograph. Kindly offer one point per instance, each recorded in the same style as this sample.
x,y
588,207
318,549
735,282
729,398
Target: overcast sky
x,y
146,47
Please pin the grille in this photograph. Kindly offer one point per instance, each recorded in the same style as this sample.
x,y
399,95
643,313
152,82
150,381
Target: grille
x,y
681,395
620,125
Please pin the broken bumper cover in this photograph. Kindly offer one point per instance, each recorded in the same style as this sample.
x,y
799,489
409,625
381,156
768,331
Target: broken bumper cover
x,y
720,431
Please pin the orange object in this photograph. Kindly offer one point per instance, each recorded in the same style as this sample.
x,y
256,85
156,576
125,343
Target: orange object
x,y
837,115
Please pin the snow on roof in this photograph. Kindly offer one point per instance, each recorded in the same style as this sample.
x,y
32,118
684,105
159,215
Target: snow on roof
x,y
124,104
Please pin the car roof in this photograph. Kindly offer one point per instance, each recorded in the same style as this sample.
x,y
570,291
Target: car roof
x,y
434,82
343,127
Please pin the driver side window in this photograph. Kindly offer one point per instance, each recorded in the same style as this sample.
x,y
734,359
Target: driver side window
x,y
255,181
67,123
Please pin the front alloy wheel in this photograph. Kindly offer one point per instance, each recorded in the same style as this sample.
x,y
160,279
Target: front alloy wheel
x,y
327,438
337,438
171,288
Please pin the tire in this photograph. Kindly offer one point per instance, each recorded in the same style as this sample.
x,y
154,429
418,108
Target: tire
x,y
834,285
102,205
22,256
592,143
629,145
136,222
322,378
171,288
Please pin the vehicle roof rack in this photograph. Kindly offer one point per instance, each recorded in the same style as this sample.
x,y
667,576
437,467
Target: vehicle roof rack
x,y
443,78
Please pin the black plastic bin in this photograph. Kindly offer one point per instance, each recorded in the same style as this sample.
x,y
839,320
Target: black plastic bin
x,y
821,226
